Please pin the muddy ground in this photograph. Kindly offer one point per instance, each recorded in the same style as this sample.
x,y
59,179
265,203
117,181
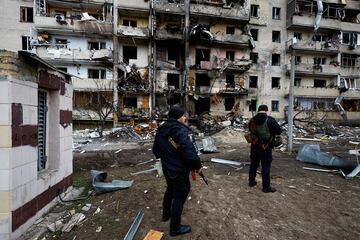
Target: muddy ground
x,y
303,207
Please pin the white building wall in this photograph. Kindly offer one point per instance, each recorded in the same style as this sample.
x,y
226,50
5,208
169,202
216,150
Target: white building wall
x,y
11,25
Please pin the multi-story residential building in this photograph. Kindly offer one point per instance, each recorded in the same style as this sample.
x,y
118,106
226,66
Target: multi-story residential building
x,y
17,19
323,36
206,55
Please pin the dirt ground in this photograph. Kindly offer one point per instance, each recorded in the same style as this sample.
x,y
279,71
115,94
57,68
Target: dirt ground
x,y
302,208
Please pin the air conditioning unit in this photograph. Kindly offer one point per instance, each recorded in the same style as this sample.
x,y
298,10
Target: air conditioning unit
x,y
60,19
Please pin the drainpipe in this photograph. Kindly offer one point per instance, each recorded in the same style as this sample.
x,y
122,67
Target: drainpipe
x,y
115,63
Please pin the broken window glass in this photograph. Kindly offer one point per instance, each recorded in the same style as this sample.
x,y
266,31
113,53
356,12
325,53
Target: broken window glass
x,y
97,73
130,102
230,81
297,60
26,14
319,61
201,54
202,79
173,80
276,36
254,33
230,30
129,23
254,9
254,57
174,55
253,82
274,106
252,105
297,82
229,103
275,59
25,43
129,52
276,13
319,83
96,45
298,35
349,60
275,82
230,55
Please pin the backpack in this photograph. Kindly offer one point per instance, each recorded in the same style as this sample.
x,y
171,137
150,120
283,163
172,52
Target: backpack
x,y
260,133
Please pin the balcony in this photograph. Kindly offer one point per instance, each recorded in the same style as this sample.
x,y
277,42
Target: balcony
x,y
236,12
304,69
350,72
314,48
135,32
307,22
312,92
345,48
163,6
88,84
59,51
163,34
72,26
231,39
134,5
350,27
352,94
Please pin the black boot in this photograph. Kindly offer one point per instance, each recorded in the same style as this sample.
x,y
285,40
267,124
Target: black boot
x,y
269,189
252,184
182,229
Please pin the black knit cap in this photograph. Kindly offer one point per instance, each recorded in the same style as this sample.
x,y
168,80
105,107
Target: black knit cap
x,y
176,112
263,108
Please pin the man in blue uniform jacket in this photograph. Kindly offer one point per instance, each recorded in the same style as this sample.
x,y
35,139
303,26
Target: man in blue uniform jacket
x,y
174,145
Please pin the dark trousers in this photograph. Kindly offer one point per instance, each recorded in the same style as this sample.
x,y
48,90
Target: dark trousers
x,y
175,196
265,156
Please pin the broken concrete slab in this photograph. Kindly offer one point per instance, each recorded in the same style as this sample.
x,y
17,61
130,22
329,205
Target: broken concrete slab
x,y
75,220
98,178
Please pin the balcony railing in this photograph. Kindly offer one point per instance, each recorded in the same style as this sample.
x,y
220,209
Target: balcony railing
x,y
316,92
133,31
51,24
235,12
163,34
315,69
308,21
88,84
60,51
310,46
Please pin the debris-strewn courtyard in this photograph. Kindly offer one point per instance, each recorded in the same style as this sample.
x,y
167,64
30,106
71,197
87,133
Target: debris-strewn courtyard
x,y
307,205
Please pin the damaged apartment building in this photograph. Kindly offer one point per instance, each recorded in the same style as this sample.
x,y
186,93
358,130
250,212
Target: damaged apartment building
x,y
207,55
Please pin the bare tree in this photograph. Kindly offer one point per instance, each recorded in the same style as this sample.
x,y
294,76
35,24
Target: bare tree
x,y
95,103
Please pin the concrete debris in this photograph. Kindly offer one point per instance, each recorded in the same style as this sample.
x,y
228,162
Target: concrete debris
x,y
75,220
86,207
94,135
98,229
98,178
56,226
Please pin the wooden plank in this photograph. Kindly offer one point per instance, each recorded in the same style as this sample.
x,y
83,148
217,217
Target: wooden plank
x,y
153,235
